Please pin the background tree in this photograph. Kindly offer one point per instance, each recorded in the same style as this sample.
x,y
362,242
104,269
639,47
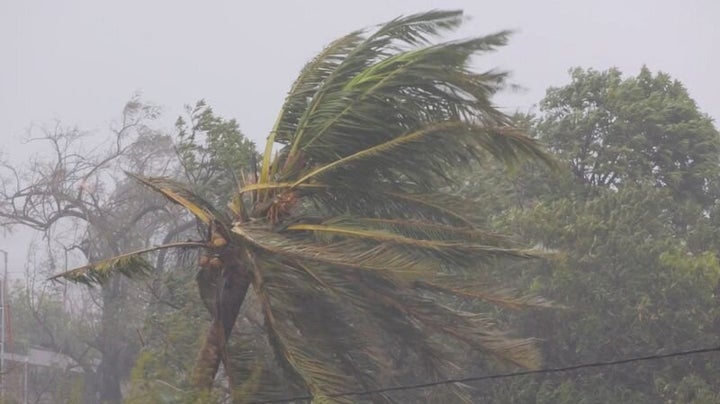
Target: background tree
x,y
643,129
82,203
634,220
79,201
213,153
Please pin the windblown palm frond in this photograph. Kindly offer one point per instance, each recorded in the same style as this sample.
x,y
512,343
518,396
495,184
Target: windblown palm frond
x,y
130,265
179,194
357,252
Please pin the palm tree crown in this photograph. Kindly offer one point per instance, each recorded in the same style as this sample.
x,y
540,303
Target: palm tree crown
x,y
348,235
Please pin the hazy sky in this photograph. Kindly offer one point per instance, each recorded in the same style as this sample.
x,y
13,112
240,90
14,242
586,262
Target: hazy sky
x,y
80,61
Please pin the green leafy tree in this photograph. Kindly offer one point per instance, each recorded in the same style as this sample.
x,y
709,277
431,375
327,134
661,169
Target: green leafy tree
x,y
643,129
635,227
350,238
213,153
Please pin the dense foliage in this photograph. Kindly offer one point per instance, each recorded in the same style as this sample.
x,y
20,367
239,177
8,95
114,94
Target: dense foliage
x,y
635,222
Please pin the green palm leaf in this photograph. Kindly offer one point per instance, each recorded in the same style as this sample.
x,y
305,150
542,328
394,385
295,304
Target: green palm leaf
x,y
427,230
309,80
182,195
412,30
131,265
445,248
463,287
353,255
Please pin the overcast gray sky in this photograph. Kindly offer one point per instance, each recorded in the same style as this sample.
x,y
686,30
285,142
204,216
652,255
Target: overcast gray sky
x,y
79,61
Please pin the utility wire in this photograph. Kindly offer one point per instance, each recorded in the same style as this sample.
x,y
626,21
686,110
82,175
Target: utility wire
x,y
501,375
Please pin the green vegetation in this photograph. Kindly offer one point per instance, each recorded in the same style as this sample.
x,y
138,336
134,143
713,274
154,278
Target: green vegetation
x,y
635,222
380,239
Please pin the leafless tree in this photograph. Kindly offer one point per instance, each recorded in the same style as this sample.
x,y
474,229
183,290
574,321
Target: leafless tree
x,y
86,209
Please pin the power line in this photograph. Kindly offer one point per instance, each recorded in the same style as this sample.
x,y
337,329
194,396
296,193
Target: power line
x,y
501,375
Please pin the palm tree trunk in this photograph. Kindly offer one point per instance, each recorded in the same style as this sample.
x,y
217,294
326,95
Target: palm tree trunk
x,y
231,289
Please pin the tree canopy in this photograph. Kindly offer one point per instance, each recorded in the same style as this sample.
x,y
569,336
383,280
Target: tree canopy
x,y
644,129
635,223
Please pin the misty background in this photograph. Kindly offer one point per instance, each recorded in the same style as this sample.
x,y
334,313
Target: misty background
x,y
78,62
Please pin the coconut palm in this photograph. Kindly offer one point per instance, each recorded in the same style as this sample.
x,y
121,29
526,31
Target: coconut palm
x,y
353,244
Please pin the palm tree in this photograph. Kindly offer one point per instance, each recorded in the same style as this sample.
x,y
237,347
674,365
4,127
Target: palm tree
x,y
349,235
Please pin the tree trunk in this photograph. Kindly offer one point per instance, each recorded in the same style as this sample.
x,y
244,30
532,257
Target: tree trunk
x,y
118,353
230,293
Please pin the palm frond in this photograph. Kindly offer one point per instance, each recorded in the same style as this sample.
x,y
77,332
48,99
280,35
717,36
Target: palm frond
x,y
251,365
411,30
314,320
398,82
380,135
321,377
355,255
427,230
448,249
417,321
395,202
278,186
131,265
394,305
521,352
180,194
378,149
477,331
310,79
466,288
